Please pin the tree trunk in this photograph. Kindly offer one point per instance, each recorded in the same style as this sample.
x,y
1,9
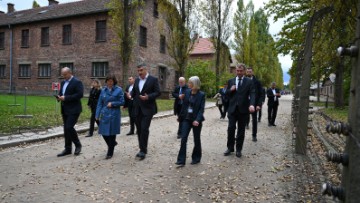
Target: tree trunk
x,y
218,48
126,43
339,93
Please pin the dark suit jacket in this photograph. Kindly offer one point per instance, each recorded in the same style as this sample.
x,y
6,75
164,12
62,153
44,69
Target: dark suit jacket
x,y
128,102
224,96
260,96
271,96
152,89
93,98
175,94
241,98
198,106
73,94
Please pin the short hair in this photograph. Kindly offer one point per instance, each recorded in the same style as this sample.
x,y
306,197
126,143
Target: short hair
x,y
66,69
141,64
111,77
182,79
98,82
241,65
195,80
249,68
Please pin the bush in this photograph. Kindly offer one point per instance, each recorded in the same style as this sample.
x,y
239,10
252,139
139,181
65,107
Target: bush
x,y
203,70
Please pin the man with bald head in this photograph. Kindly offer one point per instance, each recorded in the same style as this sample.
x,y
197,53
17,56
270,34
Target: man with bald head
x,y
179,94
70,95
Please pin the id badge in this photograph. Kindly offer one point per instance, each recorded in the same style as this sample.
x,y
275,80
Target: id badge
x,y
190,110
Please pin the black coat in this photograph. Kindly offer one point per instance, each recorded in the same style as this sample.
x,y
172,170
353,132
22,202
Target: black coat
x,y
73,94
128,102
198,101
93,98
224,96
241,98
259,91
152,89
175,94
271,96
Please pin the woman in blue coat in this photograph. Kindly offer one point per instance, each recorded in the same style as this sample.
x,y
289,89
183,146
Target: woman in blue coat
x,y
191,117
109,114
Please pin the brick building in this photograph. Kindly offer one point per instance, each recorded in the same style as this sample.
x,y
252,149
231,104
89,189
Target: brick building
x,y
36,43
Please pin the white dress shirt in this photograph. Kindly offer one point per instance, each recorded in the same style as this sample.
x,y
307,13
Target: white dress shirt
x,y
142,82
65,85
274,92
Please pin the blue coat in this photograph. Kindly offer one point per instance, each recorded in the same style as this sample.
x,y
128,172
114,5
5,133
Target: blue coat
x,y
110,118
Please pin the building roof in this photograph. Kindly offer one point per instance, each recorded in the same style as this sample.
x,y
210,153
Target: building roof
x,y
56,11
234,62
203,46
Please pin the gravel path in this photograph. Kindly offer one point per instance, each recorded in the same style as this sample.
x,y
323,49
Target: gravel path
x,y
33,173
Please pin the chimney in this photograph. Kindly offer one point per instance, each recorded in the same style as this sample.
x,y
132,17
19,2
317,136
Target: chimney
x,y
10,8
53,2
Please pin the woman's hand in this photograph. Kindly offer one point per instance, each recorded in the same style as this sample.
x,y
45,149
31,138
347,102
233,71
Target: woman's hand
x,y
109,105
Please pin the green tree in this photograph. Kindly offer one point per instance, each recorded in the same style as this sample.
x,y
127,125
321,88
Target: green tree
x,y
176,24
202,69
35,4
126,16
215,19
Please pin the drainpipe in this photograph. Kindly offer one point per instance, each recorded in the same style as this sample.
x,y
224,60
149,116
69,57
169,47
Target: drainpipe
x,y
11,59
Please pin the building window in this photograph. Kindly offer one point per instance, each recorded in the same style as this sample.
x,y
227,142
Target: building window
x,y
143,36
24,71
162,44
63,65
2,71
101,31
25,38
67,34
2,40
44,70
45,36
99,69
156,11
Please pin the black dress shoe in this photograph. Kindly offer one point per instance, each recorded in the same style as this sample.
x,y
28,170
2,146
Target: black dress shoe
x,y
228,152
269,125
238,154
130,133
108,157
247,127
64,153
179,137
180,163
77,150
194,162
273,124
259,121
141,155
254,139
89,135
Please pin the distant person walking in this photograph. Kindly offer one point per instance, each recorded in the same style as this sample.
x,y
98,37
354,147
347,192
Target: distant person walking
x,y
262,100
191,116
273,95
179,94
92,103
109,114
146,90
222,101
129,104
71,92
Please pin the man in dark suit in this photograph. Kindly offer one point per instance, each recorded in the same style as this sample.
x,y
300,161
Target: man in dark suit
x,y
273,95
241,94
146,90
129,104
225,100
178,94
70,95
259,96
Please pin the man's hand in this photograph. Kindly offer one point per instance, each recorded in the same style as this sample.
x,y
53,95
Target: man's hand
x,y
181,96
128,95
233,88
145,97
251,109
195,123
61,98
258,108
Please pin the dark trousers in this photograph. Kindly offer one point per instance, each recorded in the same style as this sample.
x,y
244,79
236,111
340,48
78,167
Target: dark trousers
x,y
226,106
92,122
111,143
70,133
272,111
142,125
220,106
178,113
240,119
260,112
196,154
132,119
254,123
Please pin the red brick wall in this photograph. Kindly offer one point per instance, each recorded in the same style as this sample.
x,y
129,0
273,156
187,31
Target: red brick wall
x,y
82,52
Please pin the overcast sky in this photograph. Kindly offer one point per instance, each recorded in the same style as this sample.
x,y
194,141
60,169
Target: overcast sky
x,y
285,61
